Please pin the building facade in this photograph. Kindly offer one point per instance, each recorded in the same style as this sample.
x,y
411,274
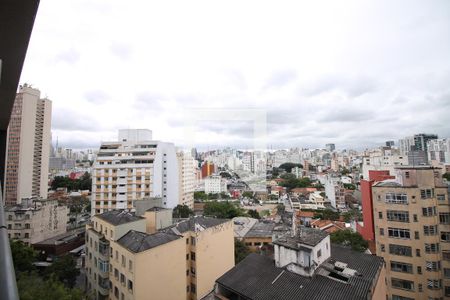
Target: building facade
x,y
28,147
132,169
132,257
187,168
215,185
35,221
412,231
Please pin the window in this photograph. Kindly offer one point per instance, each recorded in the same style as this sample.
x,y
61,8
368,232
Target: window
x,y
123,261
445,236
433,266
187,272
397,216
446,255
193,288
130,286
398,233
319,253
430,230
426,193
415,217
130,265
396,297
380,215
122,279
402,284
396,198
444,218
434,284
117,255
382,248
432,248
192,255
381,231
420,286
429,211
447,291
418,252
440,197
406,174
103,265
187,256
116,274
187,241
416,235
193,241
193,271
401,267
419,270
400,250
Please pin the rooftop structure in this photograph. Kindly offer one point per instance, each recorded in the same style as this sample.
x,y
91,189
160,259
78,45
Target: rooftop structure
x,y
136,241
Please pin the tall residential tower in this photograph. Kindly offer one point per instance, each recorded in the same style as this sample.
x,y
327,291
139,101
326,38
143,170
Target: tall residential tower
x,y
28,147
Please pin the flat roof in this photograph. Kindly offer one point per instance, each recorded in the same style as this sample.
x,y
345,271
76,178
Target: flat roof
x,y
306,236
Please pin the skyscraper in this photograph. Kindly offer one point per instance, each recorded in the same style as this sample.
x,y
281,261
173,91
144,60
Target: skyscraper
x,y
28,146
330,147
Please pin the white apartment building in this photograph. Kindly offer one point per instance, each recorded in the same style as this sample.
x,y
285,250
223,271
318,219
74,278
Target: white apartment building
x,y
28,146
187,166
383,162
214,184
35,221
335,192
439,151
134,168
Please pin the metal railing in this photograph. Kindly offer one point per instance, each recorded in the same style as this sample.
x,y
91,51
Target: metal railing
x,y
8,285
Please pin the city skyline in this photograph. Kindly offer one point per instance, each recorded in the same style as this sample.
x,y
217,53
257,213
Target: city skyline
x,y
322,74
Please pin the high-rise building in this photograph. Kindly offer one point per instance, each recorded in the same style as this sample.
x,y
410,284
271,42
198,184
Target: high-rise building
x,y
412,232
390,143
330,147
439,151
132,169
187,168
28,147
417,142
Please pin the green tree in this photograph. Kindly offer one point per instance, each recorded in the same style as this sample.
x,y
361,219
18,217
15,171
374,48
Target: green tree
x,y
223,210
240,251
247,194
225,175
289,166
446,176
253,213
23,256
281,209
327,214
349,186
65,270
347,237
182,211
224,195
288,176
33,287
200,195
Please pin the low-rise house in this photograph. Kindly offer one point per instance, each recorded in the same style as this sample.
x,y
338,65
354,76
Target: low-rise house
x,y
305,266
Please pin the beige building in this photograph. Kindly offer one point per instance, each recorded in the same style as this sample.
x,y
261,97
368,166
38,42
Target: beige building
x,y
28,148
412,232
187,169
127,258
35,221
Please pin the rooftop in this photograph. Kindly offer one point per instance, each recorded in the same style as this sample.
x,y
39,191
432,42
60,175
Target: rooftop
x,y
242,225
305,236
156,208
136,241
261,229
196,223
118,217
257,277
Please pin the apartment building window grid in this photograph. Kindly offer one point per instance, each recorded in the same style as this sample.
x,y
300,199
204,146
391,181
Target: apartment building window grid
x,y
402,284
400,233
400,250
397,216
394,198
401,267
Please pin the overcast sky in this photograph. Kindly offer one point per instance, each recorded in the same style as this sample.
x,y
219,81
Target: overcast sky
x,y
354,73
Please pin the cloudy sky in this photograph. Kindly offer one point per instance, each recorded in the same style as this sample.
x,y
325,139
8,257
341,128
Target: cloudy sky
x,y
354,73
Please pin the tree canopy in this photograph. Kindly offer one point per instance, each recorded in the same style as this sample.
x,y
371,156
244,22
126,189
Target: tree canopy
x,y
446,176
84,183
347,237
292,183
253,213
289,166
224,210
182,211
33,287
23,256
64,269
327,214
240,251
